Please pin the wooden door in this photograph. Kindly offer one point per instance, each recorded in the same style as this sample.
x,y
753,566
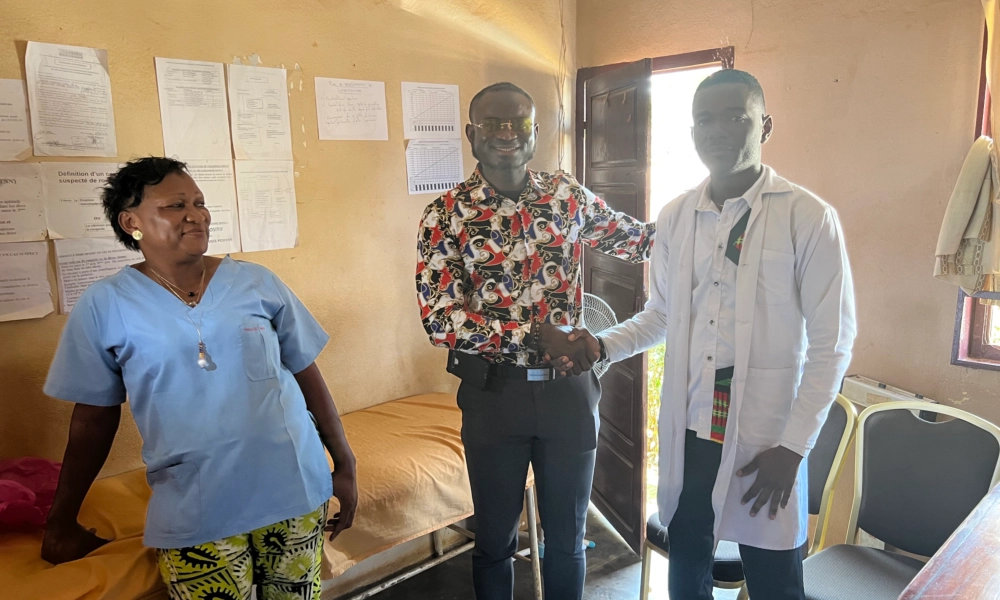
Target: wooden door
x,y
616,136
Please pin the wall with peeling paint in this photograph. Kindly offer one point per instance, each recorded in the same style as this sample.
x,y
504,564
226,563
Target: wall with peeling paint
x,y
874,106
355,263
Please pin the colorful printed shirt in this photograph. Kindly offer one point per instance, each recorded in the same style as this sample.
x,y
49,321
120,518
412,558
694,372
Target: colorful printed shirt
x,y
487,264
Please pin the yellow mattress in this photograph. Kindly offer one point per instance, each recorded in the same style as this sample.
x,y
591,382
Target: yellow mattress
x,y
123,569
411,476
411,479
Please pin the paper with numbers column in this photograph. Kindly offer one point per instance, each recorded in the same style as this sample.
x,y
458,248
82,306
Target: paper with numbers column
x,y
433,166
431,111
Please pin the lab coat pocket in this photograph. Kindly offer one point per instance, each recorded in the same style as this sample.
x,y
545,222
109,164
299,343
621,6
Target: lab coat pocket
x,y
260,352
777,277
175,506
765,405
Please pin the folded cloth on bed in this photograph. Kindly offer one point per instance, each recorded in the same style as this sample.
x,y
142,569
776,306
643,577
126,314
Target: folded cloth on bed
x,y
412,478
123,569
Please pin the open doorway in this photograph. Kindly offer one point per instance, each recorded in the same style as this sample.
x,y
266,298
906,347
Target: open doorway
x,y
674,169
619,118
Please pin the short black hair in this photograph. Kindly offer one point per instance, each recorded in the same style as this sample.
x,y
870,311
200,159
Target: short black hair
x,y
503,86
123,190
735,76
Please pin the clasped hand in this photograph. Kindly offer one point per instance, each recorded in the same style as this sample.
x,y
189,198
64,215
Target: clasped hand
x,y
570,351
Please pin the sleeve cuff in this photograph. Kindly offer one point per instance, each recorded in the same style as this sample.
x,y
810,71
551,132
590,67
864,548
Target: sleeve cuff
x,y
308,355
612,350
795,447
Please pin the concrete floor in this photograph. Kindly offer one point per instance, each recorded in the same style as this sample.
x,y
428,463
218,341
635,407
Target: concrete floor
x,y
613,573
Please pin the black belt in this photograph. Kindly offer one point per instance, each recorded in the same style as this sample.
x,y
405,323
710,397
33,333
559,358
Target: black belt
x,y
475,370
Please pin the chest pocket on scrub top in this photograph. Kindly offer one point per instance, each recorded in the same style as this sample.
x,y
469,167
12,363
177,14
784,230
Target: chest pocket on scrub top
x,y
260,349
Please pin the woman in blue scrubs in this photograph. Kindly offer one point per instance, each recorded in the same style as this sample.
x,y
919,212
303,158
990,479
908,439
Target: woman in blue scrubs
x,y
217,358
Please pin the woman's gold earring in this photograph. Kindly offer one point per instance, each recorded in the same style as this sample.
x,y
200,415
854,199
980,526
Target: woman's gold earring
x,y
137,235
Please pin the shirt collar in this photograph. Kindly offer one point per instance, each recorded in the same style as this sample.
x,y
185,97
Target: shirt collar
x,y
705,203
481,192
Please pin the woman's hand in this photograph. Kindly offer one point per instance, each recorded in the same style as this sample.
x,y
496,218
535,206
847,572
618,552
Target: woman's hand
x,y
319,402
91,432
70,542
345,489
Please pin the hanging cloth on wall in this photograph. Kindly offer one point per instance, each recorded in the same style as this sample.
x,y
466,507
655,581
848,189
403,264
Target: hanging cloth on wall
x,y
967,248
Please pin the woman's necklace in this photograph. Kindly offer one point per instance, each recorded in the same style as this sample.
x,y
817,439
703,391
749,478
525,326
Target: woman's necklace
x,y
177,291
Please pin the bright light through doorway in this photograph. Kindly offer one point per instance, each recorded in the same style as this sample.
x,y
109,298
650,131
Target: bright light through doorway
x,y
675,168
675,165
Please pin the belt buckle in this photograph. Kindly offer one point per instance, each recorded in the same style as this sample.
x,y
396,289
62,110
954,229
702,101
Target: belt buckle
x,y
541,374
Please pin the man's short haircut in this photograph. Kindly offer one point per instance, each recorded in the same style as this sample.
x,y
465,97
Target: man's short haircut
x,y
735,76
503,86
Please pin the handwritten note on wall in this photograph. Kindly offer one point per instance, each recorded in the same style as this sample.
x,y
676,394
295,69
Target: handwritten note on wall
x,y
348,109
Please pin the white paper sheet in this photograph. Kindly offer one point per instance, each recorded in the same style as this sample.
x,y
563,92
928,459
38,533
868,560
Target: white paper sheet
x,y
218,183
22,203
433,166
73,199
430,111
348,109
15,135
24,281
69,92
193,109
80,263
258,99
266,192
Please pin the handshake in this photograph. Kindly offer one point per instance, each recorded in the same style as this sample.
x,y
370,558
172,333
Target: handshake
x,y
569,351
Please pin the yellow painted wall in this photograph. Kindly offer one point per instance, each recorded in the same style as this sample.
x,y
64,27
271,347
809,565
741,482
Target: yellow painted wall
x,y
355,263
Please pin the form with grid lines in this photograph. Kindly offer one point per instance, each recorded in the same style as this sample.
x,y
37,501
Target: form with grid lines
x,y
433,166
430,111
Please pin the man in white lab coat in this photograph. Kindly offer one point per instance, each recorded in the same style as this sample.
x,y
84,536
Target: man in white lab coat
x,y
751,289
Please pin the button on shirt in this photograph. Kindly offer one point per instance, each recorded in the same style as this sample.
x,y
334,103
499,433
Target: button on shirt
x,y
713,302
230,448
486,262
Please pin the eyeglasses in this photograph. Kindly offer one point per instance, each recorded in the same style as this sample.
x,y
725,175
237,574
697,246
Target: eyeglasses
x,y
493,126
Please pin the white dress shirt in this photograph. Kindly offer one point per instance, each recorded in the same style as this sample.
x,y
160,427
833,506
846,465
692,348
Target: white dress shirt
x,y
713,302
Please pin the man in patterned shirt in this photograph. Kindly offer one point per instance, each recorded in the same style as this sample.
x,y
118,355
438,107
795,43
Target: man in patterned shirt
x,y
498,283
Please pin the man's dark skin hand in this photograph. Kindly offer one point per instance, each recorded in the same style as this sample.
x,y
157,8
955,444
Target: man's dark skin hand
x,y
776,469
565,363
574,356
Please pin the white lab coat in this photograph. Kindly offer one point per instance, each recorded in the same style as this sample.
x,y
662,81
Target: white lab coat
x,y
795,327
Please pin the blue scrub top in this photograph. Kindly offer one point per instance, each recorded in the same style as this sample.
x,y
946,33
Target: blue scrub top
x,y
230,448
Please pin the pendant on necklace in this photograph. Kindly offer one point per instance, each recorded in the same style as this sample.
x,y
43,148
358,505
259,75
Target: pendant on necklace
x,y
202,360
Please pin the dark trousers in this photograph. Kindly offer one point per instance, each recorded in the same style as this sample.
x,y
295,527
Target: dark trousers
x,y
553,426
770,574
